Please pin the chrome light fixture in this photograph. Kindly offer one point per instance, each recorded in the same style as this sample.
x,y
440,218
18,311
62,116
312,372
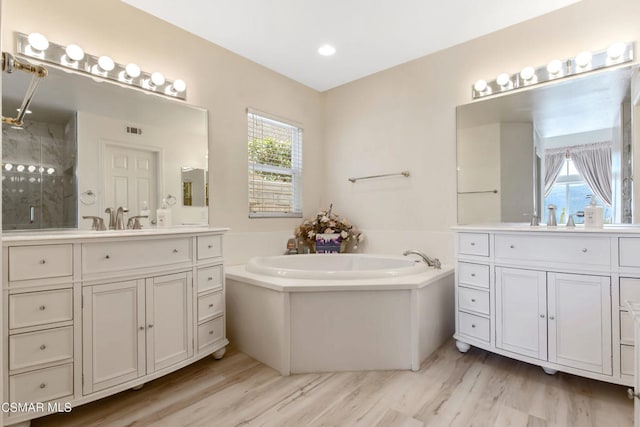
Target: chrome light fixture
x,y
73,57
616,54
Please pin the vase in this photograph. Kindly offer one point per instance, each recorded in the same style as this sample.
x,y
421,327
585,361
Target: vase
x,y
328,243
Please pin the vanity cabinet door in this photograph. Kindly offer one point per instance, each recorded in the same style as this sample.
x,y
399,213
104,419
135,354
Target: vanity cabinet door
x,y
113,334
580,321
169,322
521,323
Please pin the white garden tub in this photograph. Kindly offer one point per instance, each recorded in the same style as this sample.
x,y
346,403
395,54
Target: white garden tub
x,y
336,312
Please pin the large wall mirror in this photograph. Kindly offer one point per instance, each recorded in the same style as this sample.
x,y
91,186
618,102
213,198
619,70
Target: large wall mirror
x,y
88,145
554,144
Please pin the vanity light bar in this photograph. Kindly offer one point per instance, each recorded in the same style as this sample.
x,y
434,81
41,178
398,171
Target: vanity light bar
x,y
616,54
73,57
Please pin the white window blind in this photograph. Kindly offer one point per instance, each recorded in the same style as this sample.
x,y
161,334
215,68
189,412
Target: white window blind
x,y
275,167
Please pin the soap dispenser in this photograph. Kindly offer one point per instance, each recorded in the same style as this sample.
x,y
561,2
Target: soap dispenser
x,y
144,211
163,215
551,217
593,214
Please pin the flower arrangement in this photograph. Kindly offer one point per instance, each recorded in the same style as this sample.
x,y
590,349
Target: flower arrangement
x,y
327,222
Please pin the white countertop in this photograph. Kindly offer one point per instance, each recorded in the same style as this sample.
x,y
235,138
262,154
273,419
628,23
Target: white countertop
x,y
49,235
525,227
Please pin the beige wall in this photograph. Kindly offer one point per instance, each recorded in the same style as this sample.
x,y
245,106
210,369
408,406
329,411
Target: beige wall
x,y
399,119
404,118
218,80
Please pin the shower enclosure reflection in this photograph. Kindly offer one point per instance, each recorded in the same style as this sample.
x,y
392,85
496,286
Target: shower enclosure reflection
x,y
39,188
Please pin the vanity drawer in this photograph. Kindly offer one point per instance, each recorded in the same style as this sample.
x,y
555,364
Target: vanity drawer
x,y
473,244
42,385
474,326
35,348
40,308
127,255
626,326
209,246
210,305
40,262
629,290
473,274
629,251
210,278
592,251
210,332
473,300
626,360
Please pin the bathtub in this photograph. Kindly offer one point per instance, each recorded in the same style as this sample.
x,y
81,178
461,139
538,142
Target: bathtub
x,y
338,312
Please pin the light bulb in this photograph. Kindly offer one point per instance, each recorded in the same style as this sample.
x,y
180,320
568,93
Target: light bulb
x,y
20,168
179,85
583,59
503,79
132,70
554,67
480,85
616,50
74,52
31,168
527,73
50,171
157,79
38,42
41,169
106,63
326,50
8,167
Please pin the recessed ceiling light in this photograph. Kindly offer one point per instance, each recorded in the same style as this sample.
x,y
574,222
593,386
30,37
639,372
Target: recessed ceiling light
x,y
326,50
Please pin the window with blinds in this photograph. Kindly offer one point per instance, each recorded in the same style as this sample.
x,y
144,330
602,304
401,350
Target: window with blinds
x,y
275,167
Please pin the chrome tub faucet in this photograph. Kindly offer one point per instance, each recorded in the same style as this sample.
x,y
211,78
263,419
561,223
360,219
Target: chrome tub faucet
x,y
431,262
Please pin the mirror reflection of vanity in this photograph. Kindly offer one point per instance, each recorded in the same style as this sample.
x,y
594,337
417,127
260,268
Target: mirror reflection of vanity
x,y
505,146
89,145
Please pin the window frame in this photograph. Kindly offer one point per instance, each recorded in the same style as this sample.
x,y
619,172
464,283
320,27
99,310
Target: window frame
x,y
295,171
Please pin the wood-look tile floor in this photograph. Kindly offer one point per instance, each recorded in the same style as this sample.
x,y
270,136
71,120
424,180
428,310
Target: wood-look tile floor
x,y
451,389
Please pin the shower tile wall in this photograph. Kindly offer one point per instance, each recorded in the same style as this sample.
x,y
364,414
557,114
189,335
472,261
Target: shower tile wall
x,y
49,188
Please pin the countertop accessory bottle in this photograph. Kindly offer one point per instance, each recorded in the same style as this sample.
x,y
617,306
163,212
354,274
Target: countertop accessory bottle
x,y
144,211
163,215
551,218
593,214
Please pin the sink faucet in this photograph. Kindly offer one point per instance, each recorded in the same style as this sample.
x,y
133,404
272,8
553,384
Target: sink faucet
x,y
120,218
431,262
112,218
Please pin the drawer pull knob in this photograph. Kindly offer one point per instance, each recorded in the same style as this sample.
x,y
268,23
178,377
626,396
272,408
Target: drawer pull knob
x,y
542,316
209,278
107,257
43,307
43,385
43,261
473,274
210,305
552,318
42,347
210,332
473,326
584,249
175,251
150,326
209,246
512,246
141,328
473,243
